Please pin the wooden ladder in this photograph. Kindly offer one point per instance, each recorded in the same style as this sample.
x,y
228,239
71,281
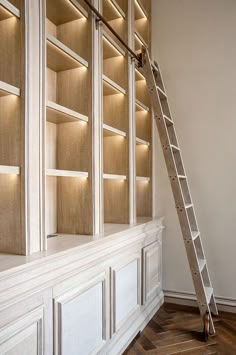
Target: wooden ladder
x,y
181,192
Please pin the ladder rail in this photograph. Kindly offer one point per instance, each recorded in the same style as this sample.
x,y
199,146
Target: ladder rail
x,y
182,195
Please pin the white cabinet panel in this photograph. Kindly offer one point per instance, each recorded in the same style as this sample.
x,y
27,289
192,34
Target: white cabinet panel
x,y
151,270
126,290
81,319
23,336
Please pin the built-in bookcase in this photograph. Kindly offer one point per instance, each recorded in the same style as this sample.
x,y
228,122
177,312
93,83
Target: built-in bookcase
x,y
11,128
143,115
115,115
68,114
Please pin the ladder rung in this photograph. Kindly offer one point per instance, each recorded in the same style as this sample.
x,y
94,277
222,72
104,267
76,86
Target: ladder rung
x,y
188,205
201,263
162,93
174,148
209,293
182,177
195,234
168,120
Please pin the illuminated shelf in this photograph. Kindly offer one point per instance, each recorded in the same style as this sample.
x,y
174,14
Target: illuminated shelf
x,y
111,88
140,11
7,89
114,177
5,169
112,11
140,106
141,141
111,131
8,10
66,173
64,11
110,47
140,40
59,114
143,178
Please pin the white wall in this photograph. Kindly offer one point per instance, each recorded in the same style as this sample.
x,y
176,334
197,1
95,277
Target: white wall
x,y
195,44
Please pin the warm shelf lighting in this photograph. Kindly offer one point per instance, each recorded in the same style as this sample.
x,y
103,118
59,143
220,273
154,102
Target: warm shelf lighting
x,y
140,9
117,10
113,47
71,2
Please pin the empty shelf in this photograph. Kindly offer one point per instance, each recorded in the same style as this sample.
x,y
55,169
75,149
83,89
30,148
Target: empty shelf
x,y
111,131
140,39
140,11
138,76
65,11
112,11
141,141
142,178
60,114
8,10
7,89
5,169
60,57
111,88
114,177
66,173
140,106
110,47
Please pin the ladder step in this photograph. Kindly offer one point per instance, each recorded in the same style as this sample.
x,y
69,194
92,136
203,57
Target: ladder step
x,y
195,234
161,92
174,148
209,293
169,121
188,205
182,177
201,263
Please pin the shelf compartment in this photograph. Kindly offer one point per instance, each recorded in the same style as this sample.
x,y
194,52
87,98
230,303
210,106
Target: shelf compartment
x,y
142,94
143,125
143,178
111,88
111,131
65,11
5,169
143,160
143,197
66,173
60,114
115,155
141,141
7,89
116,200
139,106
140,11
139,75
8,10
139,42
110,47
112,10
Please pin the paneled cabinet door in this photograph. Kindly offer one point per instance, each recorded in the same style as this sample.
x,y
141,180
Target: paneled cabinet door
x,y
24,336
126,289
151,261
81,317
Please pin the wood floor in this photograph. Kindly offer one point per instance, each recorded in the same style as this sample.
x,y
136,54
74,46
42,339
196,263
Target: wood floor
x,y
178,330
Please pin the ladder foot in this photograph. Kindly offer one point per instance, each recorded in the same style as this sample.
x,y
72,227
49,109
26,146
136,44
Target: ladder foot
x,y
206,329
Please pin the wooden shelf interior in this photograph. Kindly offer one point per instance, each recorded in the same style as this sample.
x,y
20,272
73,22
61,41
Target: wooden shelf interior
x,y
116,201
142,22
115,13
68,185
141,89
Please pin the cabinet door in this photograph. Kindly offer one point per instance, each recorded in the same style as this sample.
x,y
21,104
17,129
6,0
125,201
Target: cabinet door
x,y
82,318
151,261
126,289
23,336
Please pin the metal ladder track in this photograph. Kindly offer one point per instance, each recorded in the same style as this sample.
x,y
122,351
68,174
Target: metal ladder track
x,y
180,189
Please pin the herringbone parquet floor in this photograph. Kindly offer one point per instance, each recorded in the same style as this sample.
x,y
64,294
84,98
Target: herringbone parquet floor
x,y
178,330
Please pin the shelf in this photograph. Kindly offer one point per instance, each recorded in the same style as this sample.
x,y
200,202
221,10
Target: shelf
x,y
5,169
139,76
140,39
140,106
111,131
110,47
112,11
60,114
64,11
143,178
140,11
111,88
141,141
114,177
60,57
66,173
7,89
8,10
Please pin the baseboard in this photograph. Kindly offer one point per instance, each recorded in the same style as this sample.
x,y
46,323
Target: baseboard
x,y
189,299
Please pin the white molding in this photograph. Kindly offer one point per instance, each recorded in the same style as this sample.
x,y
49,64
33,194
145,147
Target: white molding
x,y
6,169
66,111
66,173
11,8
189,299
9,89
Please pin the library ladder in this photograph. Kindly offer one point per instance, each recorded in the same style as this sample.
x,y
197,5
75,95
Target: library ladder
x,y
181,192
